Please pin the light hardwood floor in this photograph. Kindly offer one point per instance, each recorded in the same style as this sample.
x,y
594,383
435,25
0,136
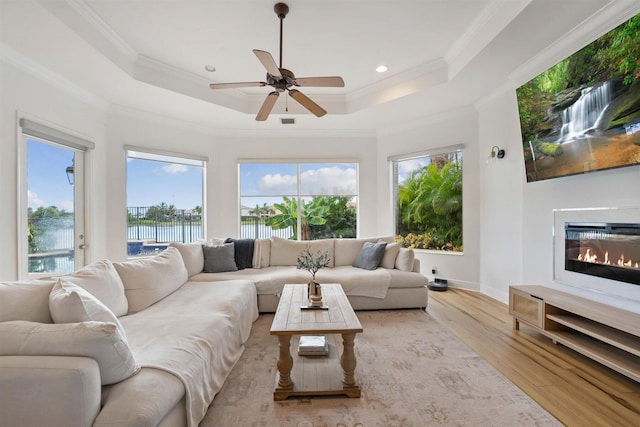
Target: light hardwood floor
x,y
572,387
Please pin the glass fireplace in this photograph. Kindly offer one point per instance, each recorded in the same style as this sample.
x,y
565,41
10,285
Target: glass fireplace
x,y
608,250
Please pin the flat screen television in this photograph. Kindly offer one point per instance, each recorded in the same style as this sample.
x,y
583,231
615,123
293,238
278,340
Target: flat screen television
x,y
583,114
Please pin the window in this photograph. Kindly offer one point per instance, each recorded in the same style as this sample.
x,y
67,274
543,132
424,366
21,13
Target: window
x,y
300,201
427,193
164,200
52,236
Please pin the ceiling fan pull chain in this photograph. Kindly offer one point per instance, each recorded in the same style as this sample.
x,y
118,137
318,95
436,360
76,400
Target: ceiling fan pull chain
x,y
286,104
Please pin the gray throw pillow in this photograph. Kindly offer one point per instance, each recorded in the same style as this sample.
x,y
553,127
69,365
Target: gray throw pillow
x,y
219,258
370,255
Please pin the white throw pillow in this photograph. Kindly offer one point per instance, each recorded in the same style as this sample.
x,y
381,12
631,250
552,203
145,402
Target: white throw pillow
x,y
26,300
97,340
405,258
285,252
390,255
148,280
102,281
70,303
192,256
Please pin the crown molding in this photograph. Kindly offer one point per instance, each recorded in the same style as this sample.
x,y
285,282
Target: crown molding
x,y
190,126
27,65
399,85
598,24
493,19
81,19
427,120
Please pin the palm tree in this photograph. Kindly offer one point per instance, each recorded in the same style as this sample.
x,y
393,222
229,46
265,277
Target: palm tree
x,y
312,213
430,202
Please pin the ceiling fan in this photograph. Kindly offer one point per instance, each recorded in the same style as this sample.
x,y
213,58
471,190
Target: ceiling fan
x,y
282,79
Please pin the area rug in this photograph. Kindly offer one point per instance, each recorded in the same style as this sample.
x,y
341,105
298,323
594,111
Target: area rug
x,y
411,372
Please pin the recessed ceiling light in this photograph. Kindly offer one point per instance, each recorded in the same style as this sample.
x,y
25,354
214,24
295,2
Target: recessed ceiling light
x,y
381,68
210,68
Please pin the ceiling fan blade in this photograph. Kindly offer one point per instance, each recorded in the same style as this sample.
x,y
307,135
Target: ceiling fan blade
x,y
267,106
307,103
236,85
268,62
333,81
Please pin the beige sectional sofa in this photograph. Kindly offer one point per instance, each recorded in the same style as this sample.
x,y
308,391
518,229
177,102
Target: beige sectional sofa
x,y
152,351
149,342
397,283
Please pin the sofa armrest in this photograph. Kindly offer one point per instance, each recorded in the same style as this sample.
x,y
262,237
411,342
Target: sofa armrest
x,y
49,390
416,265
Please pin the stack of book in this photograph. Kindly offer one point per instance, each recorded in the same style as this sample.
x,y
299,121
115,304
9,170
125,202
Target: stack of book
x,y
313,345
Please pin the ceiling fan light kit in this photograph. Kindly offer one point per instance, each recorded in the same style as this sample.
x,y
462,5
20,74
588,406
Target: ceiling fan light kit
x,y
282,79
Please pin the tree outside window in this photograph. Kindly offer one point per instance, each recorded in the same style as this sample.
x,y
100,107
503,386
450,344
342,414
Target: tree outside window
x,y
428,198
299,201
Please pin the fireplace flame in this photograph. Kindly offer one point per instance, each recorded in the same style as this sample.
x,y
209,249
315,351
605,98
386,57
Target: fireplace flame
x,y
621,262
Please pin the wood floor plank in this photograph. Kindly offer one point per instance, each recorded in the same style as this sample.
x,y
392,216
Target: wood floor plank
x,y
575,389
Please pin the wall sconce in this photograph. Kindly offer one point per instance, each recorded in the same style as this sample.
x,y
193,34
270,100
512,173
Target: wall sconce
x,y
70,171
495,152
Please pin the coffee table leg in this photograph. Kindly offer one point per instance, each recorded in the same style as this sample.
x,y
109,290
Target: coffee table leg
x,y
285,362
348,363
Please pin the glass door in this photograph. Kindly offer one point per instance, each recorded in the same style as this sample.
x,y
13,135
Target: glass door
x,y
55,207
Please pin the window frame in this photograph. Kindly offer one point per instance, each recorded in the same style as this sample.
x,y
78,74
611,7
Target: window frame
x,y
172,157
393,161
298,163
49,133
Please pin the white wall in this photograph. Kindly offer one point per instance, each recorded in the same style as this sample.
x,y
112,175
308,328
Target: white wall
x,y
23,94
224,151
517,217
459,127
501,186
292,146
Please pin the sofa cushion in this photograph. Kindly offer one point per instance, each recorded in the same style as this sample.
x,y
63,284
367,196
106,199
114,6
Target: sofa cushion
x,y
70,303
102,281
261,253
26,300
148,280
390,254
346,250
97,340
370,256
192,255
285,252
219,258
405,259
407,279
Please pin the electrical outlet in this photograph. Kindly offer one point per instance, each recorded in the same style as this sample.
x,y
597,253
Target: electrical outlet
x,y
434,269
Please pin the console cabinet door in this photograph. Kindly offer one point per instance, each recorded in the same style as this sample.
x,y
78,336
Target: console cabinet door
x,y
526,308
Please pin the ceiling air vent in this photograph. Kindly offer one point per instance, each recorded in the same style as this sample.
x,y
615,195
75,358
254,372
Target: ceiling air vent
x,y
288,121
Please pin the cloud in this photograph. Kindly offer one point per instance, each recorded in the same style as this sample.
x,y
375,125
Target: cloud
x,y
174,168
332,180
33,200
405,167
322,181
278,184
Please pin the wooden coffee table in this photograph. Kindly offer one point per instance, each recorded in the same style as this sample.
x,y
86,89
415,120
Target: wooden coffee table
x,y
315,375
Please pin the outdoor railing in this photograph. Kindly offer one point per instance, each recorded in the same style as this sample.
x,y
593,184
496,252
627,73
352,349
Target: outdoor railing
x,y
150,224
51,245
254,227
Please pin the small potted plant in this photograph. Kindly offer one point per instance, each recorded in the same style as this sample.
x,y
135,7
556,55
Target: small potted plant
x,y
312,263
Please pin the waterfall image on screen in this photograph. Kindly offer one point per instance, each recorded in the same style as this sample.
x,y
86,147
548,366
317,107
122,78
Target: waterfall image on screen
x,y
583,114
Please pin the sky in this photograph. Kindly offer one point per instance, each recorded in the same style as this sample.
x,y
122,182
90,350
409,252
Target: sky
x,y
151,181
262,183
47,180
